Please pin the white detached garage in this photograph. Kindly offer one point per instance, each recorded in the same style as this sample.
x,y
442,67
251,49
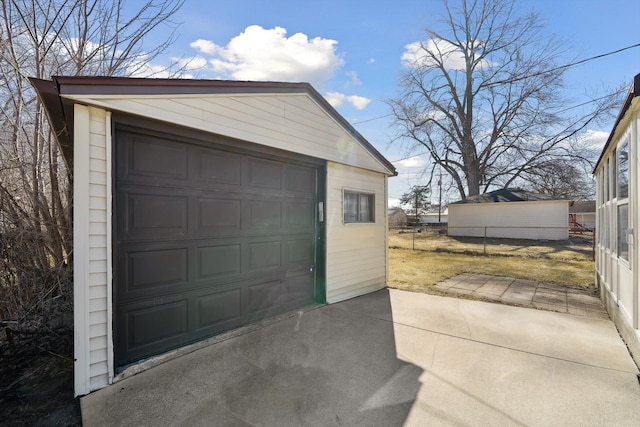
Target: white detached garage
x,y
203,206
510,213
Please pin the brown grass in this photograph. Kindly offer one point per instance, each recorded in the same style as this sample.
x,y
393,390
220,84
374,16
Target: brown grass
x,y
575,249
440,257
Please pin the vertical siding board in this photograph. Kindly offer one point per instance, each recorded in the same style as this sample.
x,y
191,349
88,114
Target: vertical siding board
x,y
91,243
82,375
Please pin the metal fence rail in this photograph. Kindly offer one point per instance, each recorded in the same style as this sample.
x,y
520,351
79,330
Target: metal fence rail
x,y
490,235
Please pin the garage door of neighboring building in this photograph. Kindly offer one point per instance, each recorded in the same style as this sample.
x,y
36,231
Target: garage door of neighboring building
x,y
208,238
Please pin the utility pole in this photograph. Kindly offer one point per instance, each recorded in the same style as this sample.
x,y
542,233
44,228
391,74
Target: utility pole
x,y
439,196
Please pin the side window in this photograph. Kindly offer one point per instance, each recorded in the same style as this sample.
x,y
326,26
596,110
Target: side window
x,y
623,224
622,184
605,181
623,171
358,207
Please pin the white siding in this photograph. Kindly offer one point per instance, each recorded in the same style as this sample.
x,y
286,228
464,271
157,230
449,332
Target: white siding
x,y
356,253
291,122
92,249
547,220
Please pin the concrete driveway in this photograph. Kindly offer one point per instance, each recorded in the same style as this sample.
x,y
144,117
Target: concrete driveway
x,y
390,358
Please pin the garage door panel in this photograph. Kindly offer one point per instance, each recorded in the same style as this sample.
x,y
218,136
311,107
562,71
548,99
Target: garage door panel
x,y
219,260
219,214
300,179
147,158
300,252
223,169
219,310
299,214
263,256
146,269
298,289
160,322
263,297
151,215
265,174
264,214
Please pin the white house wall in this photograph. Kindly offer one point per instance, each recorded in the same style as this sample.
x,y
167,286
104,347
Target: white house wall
x,y
92,249
617,279
545,220
291,122
356,253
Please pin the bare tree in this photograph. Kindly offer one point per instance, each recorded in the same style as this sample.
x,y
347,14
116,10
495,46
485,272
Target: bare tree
x,y
41,38
561,178
483,96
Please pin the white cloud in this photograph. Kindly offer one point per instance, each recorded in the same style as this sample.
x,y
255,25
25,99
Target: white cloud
x,y
411,162
594,139
269,55
337,99
353,79
371,60
205,46
420,54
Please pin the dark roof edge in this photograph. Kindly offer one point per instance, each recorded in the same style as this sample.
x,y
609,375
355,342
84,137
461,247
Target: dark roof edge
x,y
507,195
144,86
91,85
633,92
48,92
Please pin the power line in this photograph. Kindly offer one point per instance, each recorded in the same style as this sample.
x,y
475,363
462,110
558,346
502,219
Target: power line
x,y
572,64
516,79
370,120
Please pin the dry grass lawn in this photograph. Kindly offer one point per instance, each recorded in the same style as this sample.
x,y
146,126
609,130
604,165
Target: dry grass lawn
x,y
438,257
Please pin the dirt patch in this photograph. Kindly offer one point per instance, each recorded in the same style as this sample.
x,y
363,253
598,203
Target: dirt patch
x,y
36,367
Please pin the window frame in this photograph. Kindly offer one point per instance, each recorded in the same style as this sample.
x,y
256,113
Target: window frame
x,y
622,203
358,210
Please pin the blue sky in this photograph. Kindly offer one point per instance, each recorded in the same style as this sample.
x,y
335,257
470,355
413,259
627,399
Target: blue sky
x,y
351,52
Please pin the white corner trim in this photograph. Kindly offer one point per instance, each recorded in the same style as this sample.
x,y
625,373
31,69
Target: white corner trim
x,y
108,149
81,251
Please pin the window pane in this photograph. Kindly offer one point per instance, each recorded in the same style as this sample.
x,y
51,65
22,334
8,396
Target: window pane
x,y
623,171
606,227
605,182
366,208
613,171
623,224
350,207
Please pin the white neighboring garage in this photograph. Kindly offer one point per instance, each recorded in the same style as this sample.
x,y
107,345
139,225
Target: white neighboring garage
x,y
201,206
510,213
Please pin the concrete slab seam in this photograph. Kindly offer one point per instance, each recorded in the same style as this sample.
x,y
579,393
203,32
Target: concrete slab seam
x,y
498,345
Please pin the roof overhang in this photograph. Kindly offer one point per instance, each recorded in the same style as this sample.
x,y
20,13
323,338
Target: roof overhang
x,y
634,91
53,94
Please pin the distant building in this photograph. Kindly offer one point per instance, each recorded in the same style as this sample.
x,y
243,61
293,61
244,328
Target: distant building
x,y
582,214
435,217
510,213
397,217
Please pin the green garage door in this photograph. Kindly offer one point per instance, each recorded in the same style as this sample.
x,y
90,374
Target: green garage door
x,y
207,239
